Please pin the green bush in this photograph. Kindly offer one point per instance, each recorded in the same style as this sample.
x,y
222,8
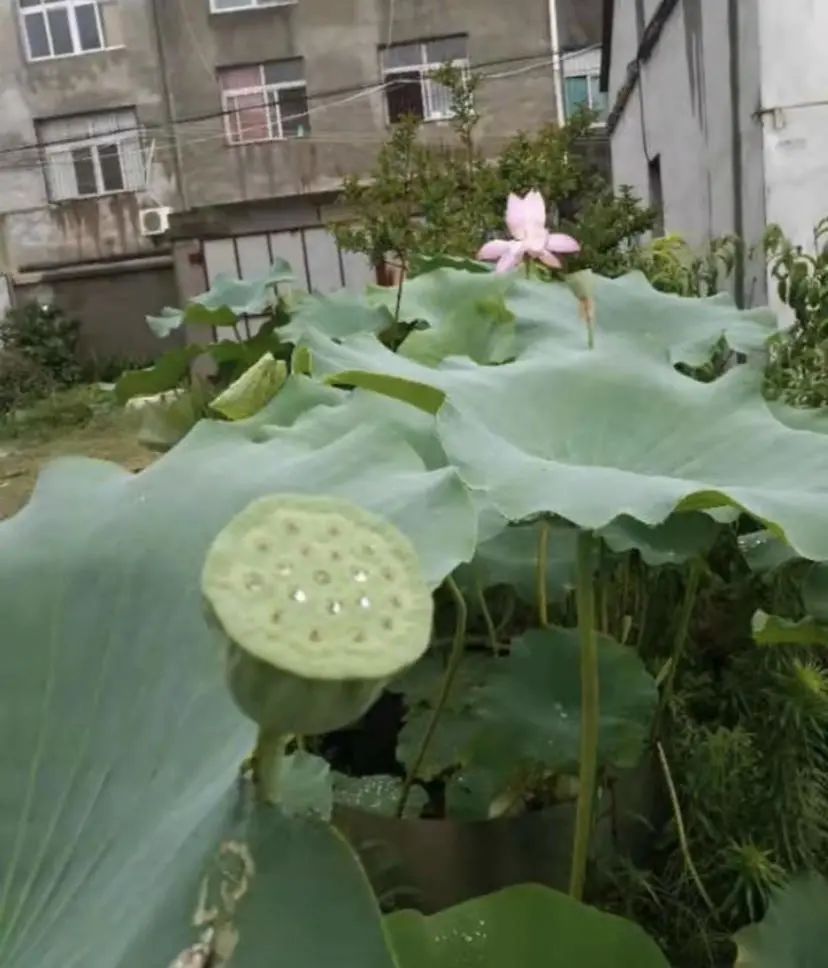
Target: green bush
x,y
21,380
46,337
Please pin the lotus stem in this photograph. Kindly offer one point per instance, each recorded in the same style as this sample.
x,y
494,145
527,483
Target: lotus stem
x,y
491,631
543,564
680,641
590,698
455,657
267,764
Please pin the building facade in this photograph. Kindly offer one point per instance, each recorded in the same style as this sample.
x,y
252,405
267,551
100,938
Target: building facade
x,y
147,145
718,118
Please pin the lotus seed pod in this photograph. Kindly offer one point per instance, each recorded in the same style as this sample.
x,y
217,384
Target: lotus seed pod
x,y
322,602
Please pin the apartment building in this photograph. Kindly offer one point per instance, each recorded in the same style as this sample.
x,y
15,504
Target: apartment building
x,y
147,145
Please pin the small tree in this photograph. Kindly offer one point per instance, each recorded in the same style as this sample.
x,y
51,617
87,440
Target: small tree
x,y
445,200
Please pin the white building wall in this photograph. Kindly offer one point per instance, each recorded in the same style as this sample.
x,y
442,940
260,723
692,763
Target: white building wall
x,y
795,124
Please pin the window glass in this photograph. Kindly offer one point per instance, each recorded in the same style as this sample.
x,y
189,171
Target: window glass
x,y
36,35
405,96
59,29
88,32
110,160
84,171
577,93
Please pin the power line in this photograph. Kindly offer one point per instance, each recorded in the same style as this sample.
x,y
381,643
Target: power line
x,y
543,60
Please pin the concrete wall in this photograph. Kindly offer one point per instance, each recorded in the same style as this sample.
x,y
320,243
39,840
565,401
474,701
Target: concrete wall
x,y
112,310
795,115
34,232
340,43
682,111
579,23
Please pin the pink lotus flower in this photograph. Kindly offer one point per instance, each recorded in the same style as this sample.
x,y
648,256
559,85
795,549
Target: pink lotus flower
x,y
526,220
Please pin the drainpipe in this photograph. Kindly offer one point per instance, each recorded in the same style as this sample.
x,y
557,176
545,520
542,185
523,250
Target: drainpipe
x,y
169,106
555,43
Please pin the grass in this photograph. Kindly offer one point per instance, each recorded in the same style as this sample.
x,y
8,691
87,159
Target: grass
x,y
82,421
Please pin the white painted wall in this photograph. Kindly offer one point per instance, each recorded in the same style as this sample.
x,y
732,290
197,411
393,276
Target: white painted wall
x,y
795,128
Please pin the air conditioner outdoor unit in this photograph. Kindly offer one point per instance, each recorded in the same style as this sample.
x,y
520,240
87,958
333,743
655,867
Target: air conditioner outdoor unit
x,y
155,221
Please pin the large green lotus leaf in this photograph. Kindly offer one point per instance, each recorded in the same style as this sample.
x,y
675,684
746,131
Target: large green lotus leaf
x,y
165,374
449,747
815,591
337,315
225,302
119,737
794,931
298,395
511,558
531,710
377,794
527,926
629,312
765,552
594,437
252,390
774,630
680,537
436,296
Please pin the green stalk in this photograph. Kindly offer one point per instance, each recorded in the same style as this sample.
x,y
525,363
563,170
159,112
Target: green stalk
x,y
590,698
491,631
680,642
267,760
455,657
543,563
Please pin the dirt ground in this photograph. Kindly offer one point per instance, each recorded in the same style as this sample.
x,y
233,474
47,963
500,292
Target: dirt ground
x,y
21,458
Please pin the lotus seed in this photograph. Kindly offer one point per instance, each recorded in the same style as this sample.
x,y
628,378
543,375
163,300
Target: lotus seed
x,y
292,527
359,637
284,570
336,556
263,546
322,577
276,617
335,608
360,576
388,624
298,595
368,550
253,582
388,574
364,602
315,636
395,601
334,531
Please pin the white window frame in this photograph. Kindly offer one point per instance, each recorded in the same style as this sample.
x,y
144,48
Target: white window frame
x,y
589,76
43,7
133,170
250,5
275,132
426,69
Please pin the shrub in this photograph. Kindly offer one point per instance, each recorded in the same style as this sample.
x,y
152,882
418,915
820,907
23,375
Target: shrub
x,y
46,337
21,380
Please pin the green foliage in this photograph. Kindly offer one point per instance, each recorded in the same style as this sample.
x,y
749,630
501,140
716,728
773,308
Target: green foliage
x,y
793,933
796,371
44,335
493,453
527,927
425,201
22,381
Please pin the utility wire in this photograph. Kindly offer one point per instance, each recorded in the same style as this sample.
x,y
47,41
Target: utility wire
x,y
361,90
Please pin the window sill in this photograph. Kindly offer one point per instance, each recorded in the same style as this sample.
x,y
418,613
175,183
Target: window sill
x,y
258,6
266,141
90,198
80,53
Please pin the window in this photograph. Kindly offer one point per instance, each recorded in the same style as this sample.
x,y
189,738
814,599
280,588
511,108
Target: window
x,y
407,70
57,28
225,6
92,154
656,194
267,102
584,91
